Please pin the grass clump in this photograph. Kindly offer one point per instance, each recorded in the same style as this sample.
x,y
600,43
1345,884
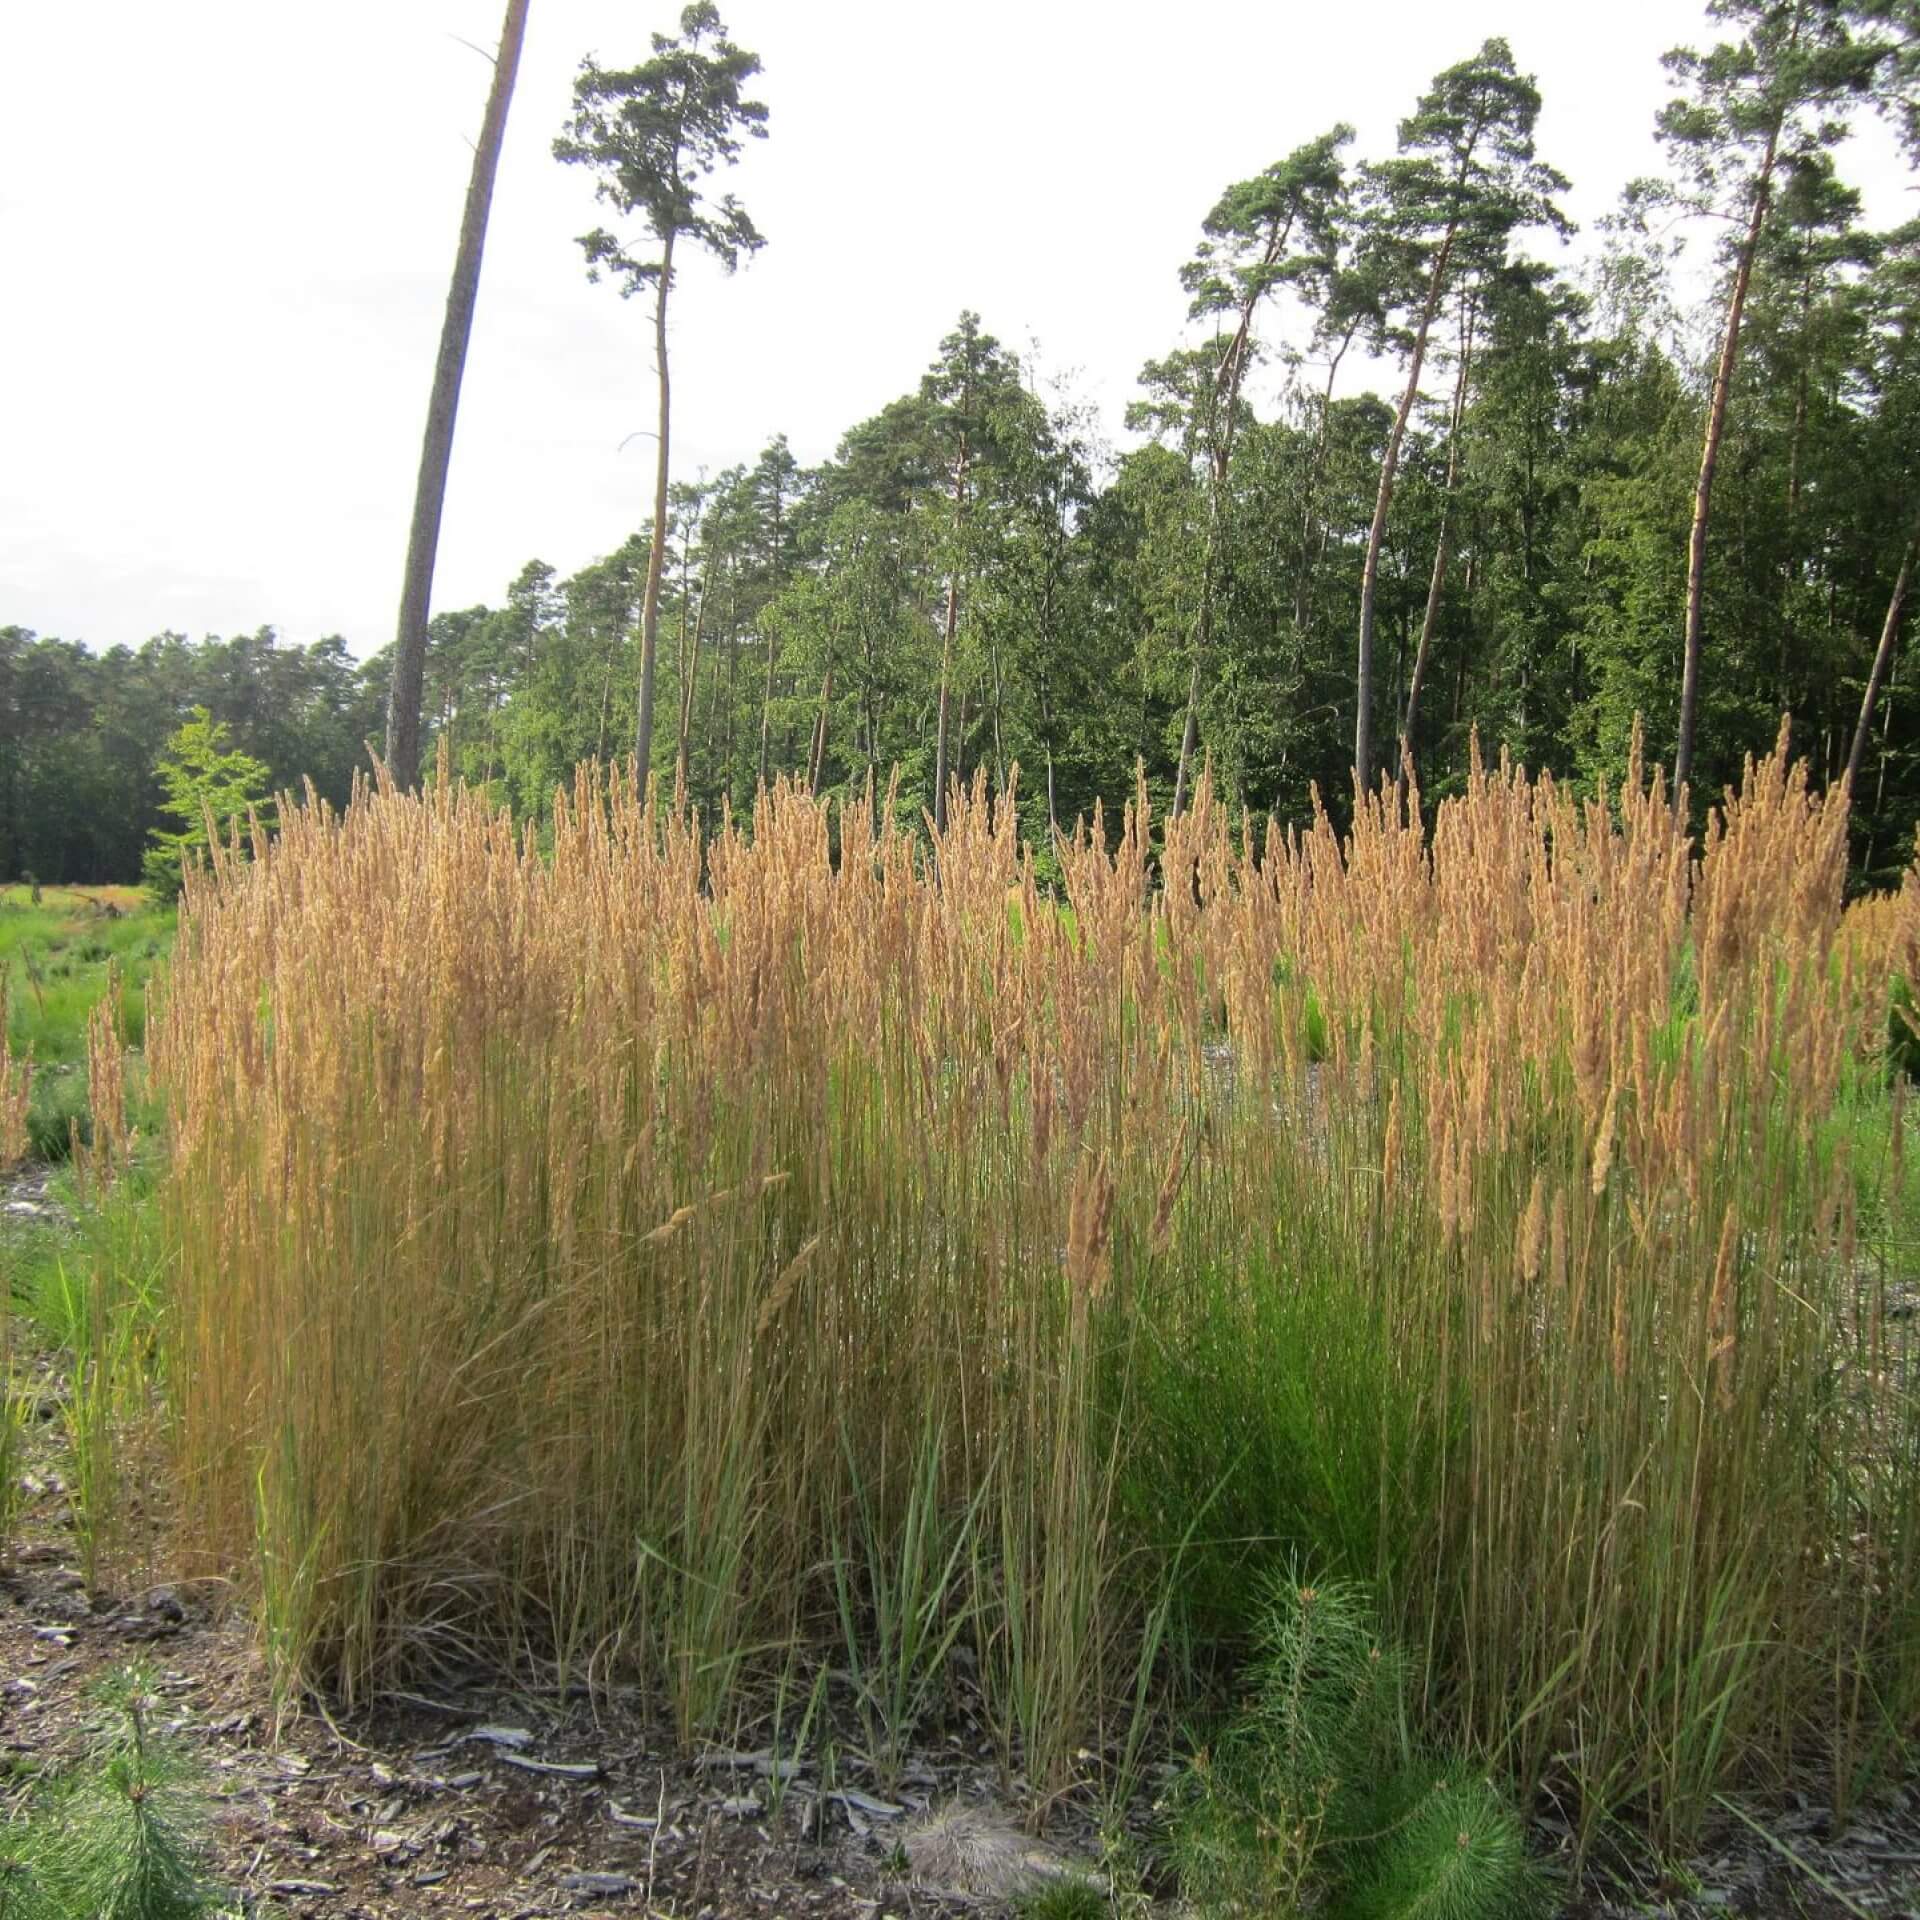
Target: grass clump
x,y
122,1838
1316,1798
646,1248
1069,1898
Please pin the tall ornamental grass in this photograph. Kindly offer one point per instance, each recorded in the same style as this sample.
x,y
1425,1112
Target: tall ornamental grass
x,y
665,1254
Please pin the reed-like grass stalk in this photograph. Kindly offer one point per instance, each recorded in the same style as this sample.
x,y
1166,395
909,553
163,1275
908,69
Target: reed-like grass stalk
x,y
569,1243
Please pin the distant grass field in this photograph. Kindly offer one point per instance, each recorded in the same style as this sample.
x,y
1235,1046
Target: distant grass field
x,y
54,958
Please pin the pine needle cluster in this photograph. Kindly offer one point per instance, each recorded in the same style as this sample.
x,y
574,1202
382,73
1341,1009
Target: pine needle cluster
x,y
1317,1798
122,1839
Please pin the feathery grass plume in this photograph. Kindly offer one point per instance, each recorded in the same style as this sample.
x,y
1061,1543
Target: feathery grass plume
x,y
668,1185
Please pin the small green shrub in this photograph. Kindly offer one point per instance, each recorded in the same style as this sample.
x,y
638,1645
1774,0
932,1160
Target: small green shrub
x,y
123,1838
1317,1795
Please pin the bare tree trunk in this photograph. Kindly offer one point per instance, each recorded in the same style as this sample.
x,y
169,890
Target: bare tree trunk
x,y
817,760
657,549
999,749
867,705
1226,399
1316,468
1437,584
946,646
1377,532
713,701
1046,696
443,403
1709,460
733,679
1882,660
1795,571
766,705
689,681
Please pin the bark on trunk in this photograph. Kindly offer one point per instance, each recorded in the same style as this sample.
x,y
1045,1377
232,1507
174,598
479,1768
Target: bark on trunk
x,y
443,403
657,548
766,709
946,645
1709,461
1377,532
1882,660
1226,396
1437,584
817,760
689,682
1310,547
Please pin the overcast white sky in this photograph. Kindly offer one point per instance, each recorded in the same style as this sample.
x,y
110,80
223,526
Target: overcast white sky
x,y
226,227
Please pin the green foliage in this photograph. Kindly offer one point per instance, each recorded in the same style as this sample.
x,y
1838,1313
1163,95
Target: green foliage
x,y
59,1116
650,133
123,1838
210,785
81,728
1070,1898
897,1595
60,955
57,954
1317,1796
1458,1853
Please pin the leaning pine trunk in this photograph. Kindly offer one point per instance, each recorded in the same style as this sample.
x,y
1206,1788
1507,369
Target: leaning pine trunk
x,y
436,447
1882,661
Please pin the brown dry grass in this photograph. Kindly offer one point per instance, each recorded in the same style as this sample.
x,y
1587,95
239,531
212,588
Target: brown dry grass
x,y
568,1240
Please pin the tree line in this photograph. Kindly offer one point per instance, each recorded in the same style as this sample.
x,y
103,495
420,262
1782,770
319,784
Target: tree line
x,y
1582,505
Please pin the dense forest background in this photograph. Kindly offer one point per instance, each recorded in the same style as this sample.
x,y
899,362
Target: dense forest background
x,y
1505,521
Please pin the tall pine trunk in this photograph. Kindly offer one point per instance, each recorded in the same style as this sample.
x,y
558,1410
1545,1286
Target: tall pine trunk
x,y
657,548
1310,549
443,403
689,684
1377,532
1710,460
952,627
1226,400
1437,584
817,757
766,710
